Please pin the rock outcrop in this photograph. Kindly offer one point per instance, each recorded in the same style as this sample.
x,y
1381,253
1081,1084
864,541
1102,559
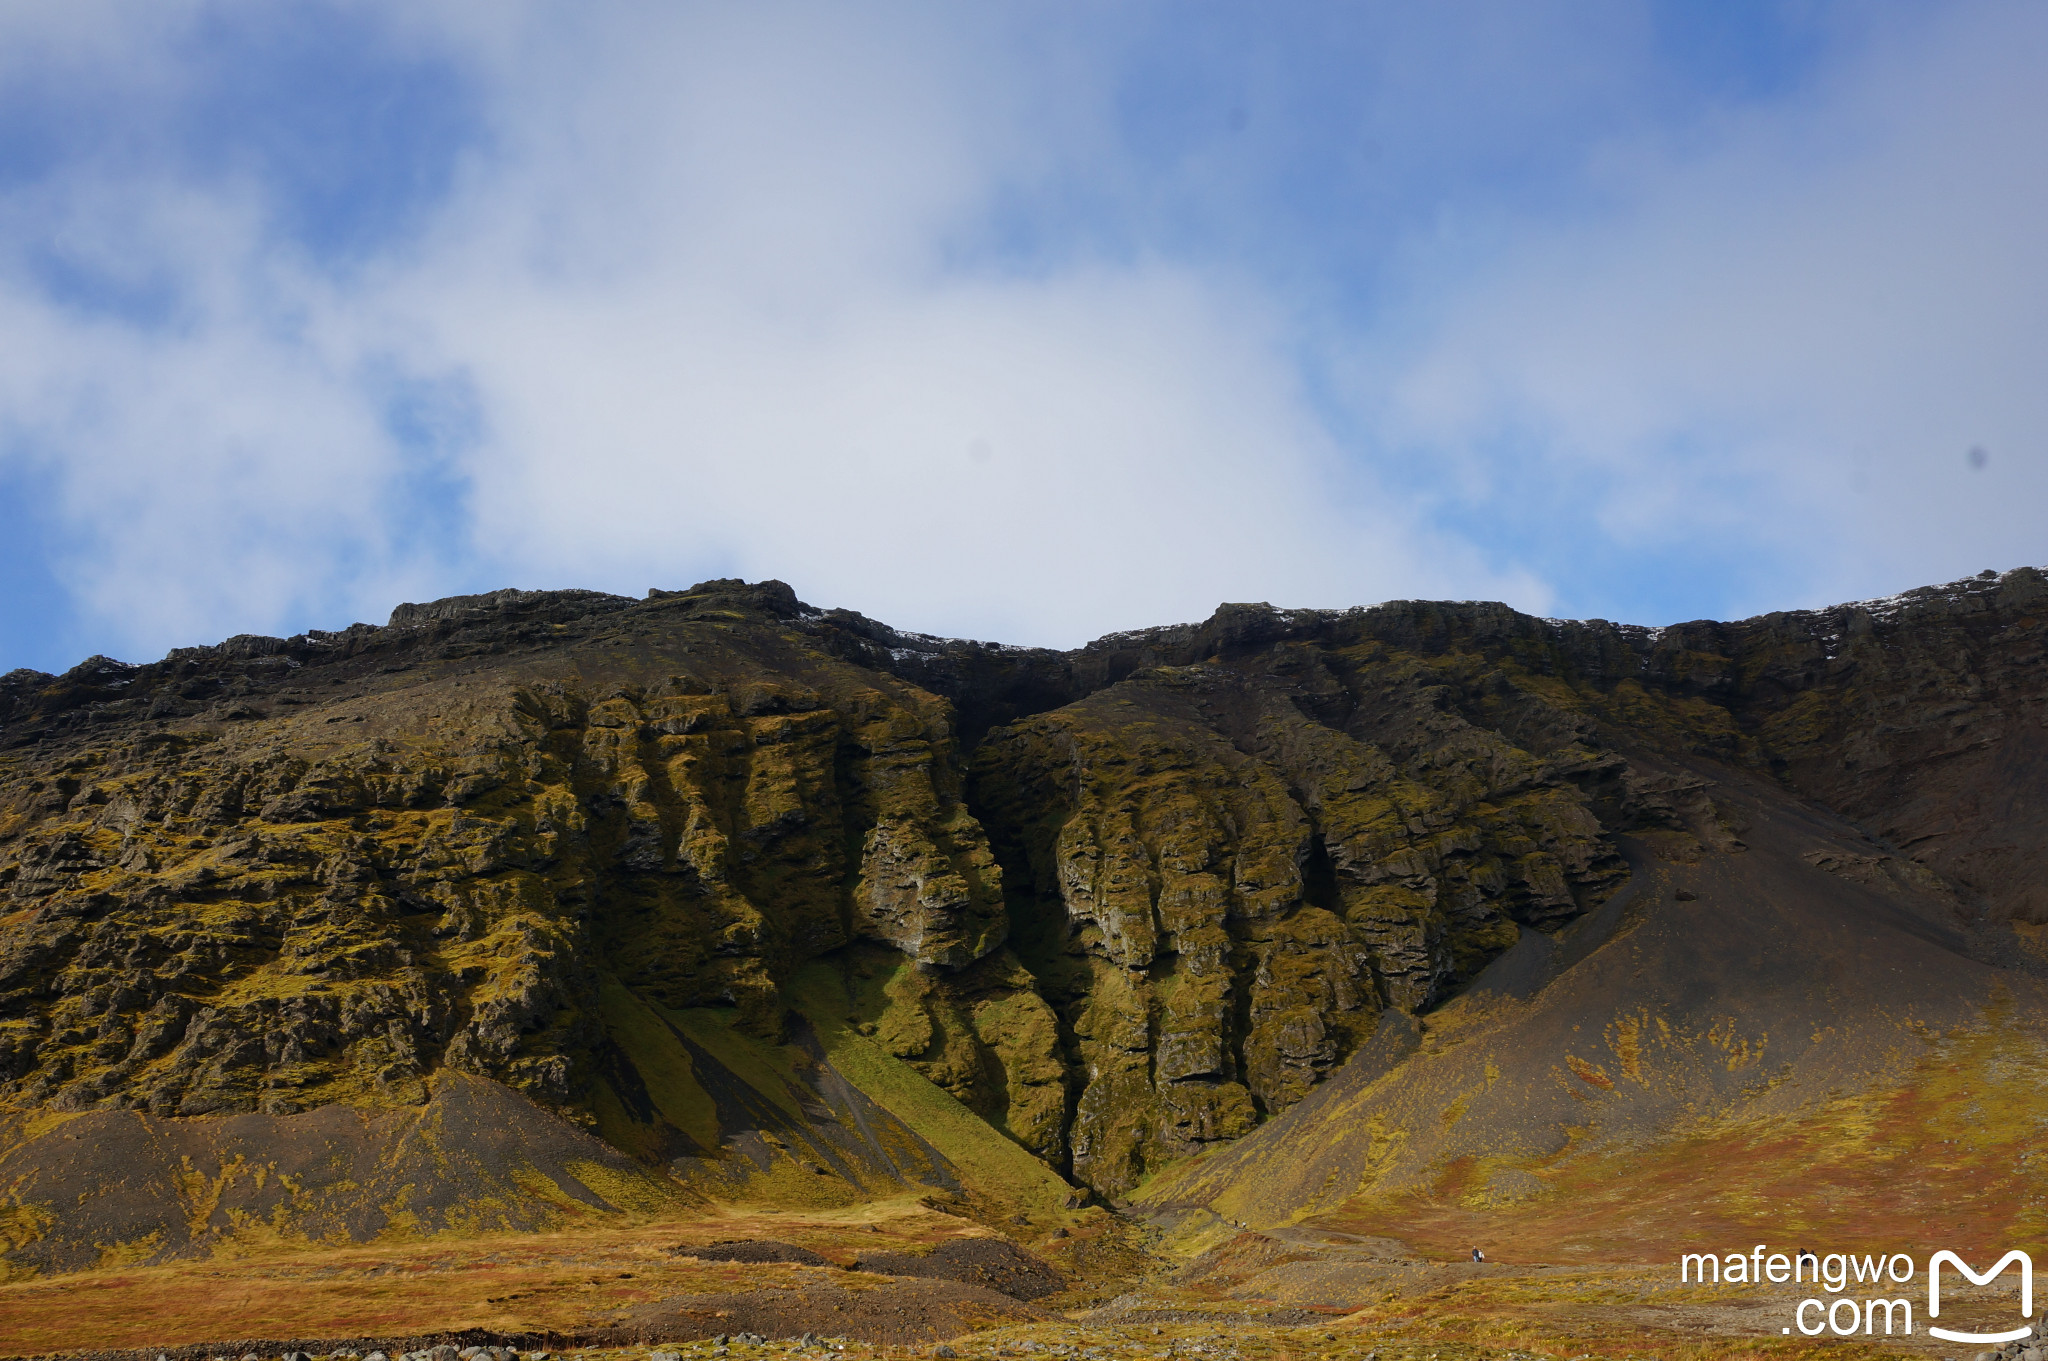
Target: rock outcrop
x,y
380,872
1124,903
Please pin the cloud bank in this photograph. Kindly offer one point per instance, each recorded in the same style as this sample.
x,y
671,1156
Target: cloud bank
x,y
1024,324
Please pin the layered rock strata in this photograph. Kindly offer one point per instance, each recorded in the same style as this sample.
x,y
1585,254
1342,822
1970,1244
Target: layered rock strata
x,y
1123,903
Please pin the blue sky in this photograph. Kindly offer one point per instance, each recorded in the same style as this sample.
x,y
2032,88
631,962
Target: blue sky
x,y
1024,322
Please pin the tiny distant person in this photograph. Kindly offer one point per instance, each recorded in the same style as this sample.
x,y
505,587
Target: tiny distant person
x,y
1478,1256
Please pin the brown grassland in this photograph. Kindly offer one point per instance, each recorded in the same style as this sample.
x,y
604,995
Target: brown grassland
x,y
1257,1298
1941,1157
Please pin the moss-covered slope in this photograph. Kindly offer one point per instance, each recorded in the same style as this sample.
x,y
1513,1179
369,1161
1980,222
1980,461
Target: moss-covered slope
x,y
782,902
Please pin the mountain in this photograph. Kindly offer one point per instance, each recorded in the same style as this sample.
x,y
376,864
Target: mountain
x,y
537,906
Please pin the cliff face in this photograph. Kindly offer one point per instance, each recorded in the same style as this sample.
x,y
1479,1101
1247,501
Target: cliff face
x,y
1236,864
332,865
1816,991
1123,903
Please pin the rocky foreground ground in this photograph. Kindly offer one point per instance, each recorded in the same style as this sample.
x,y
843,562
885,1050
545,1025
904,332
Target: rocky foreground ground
x,y
1071,1342
813,1295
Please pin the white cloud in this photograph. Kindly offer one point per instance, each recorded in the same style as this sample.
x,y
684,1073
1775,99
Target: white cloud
x,y
1791,333
212,461
702,287
710,284
790,380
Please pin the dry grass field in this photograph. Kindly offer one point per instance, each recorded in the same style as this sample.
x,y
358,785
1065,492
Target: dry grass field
x,y
621,1292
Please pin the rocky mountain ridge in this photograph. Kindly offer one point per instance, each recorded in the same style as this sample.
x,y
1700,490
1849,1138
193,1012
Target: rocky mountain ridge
x,y
1124,904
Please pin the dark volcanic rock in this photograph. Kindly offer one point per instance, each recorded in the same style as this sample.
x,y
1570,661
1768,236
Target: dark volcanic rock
x,y
1126,902
994,1263
753,1250
335,1172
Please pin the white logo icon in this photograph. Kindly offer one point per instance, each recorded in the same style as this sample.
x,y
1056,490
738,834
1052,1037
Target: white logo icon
x,y
2026,1294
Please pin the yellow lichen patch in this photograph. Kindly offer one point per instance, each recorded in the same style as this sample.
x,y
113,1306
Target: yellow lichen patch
x,y
1626,1037
201,1193
23,1223
1591,1074
1741,1050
